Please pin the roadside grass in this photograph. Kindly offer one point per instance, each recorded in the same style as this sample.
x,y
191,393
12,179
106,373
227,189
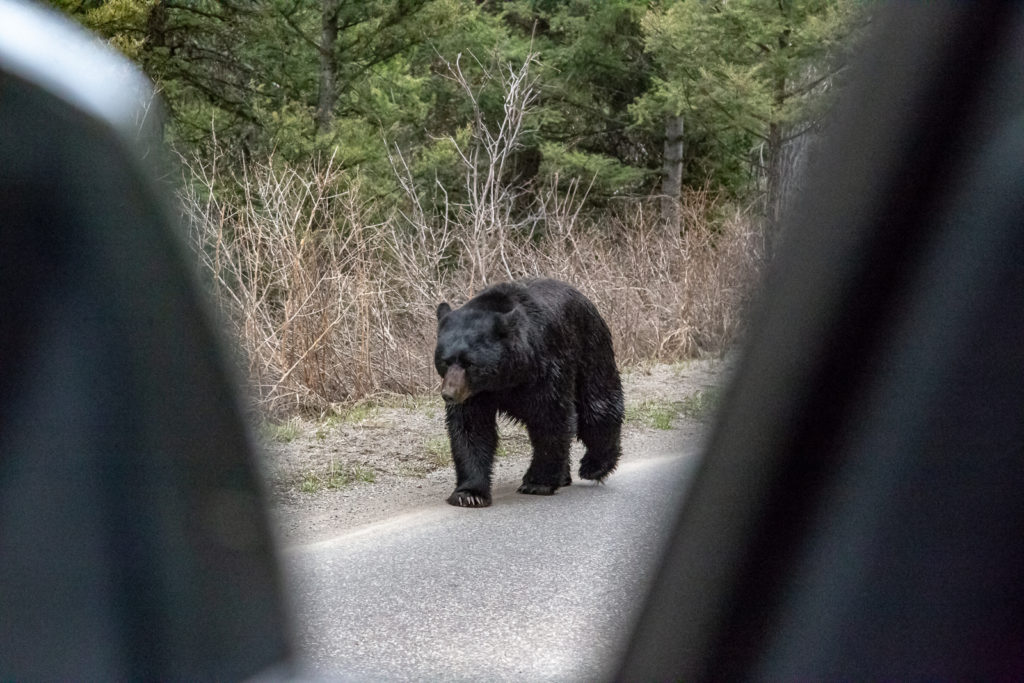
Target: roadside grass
x,y
653,413
280,432
701,404
439,452
434,452
360,411
287,431
430,405
658,413
335,477
324,429
513,439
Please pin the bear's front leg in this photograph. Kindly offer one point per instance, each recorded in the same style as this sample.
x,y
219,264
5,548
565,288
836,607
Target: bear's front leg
x,y
473,435
549,468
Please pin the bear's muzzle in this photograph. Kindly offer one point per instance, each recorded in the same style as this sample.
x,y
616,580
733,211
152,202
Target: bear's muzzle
x,y
455,386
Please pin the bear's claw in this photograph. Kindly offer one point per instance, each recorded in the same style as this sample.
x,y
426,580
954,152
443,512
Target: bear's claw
x,y
465,499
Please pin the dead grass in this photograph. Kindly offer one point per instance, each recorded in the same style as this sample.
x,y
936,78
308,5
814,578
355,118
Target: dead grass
x,y
330,306
332,296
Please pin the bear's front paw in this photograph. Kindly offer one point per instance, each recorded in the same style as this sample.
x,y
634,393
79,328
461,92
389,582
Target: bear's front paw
x,y
537,489
468,499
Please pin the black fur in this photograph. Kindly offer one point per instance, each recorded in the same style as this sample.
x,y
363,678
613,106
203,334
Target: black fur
x,y
539,352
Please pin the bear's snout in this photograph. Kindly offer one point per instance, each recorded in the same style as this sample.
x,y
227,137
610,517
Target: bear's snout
x,y
455,386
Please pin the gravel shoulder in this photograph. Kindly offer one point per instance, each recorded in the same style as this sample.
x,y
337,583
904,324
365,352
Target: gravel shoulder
x,y
326,477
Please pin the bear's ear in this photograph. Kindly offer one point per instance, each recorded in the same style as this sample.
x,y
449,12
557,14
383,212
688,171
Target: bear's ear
x,y
506,323
443,309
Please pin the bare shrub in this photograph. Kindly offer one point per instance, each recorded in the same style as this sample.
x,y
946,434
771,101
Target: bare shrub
x,y
666,296
487,217
299,271
332,297
330,307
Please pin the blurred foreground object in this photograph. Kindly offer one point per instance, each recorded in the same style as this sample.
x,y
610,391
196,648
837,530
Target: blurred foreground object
x,y
133,538
859,513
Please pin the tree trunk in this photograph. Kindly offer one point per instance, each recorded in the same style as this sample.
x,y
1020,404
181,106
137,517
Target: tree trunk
x,y
776,173
790,173
780,169
328,68
156,34
672,172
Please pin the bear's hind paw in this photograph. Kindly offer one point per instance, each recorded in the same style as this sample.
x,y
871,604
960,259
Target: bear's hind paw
x,y
537,489
596,470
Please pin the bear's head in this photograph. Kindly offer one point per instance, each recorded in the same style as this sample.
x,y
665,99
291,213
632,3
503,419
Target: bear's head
x,y
475,349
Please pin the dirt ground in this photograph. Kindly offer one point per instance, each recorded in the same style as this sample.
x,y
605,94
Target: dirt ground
x,y
328,476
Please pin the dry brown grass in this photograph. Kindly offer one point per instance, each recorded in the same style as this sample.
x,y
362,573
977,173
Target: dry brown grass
x,y
330,305
332,297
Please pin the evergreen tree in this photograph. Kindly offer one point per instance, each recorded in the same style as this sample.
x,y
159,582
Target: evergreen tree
x,y
631,92
593,67
749,79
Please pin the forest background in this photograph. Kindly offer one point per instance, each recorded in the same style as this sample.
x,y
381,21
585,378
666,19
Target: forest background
x,y
347,164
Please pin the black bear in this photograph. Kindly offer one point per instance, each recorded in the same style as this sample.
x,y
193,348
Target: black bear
x,y
539,352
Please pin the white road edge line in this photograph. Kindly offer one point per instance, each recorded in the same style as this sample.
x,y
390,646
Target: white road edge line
x,y
425,514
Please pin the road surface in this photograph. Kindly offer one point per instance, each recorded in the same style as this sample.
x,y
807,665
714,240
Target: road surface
x,y
532,588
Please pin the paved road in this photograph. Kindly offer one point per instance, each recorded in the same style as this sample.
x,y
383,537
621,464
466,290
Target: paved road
x,y
531,589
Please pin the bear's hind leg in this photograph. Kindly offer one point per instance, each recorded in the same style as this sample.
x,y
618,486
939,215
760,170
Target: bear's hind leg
x,y
600,427
549,469
603,451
